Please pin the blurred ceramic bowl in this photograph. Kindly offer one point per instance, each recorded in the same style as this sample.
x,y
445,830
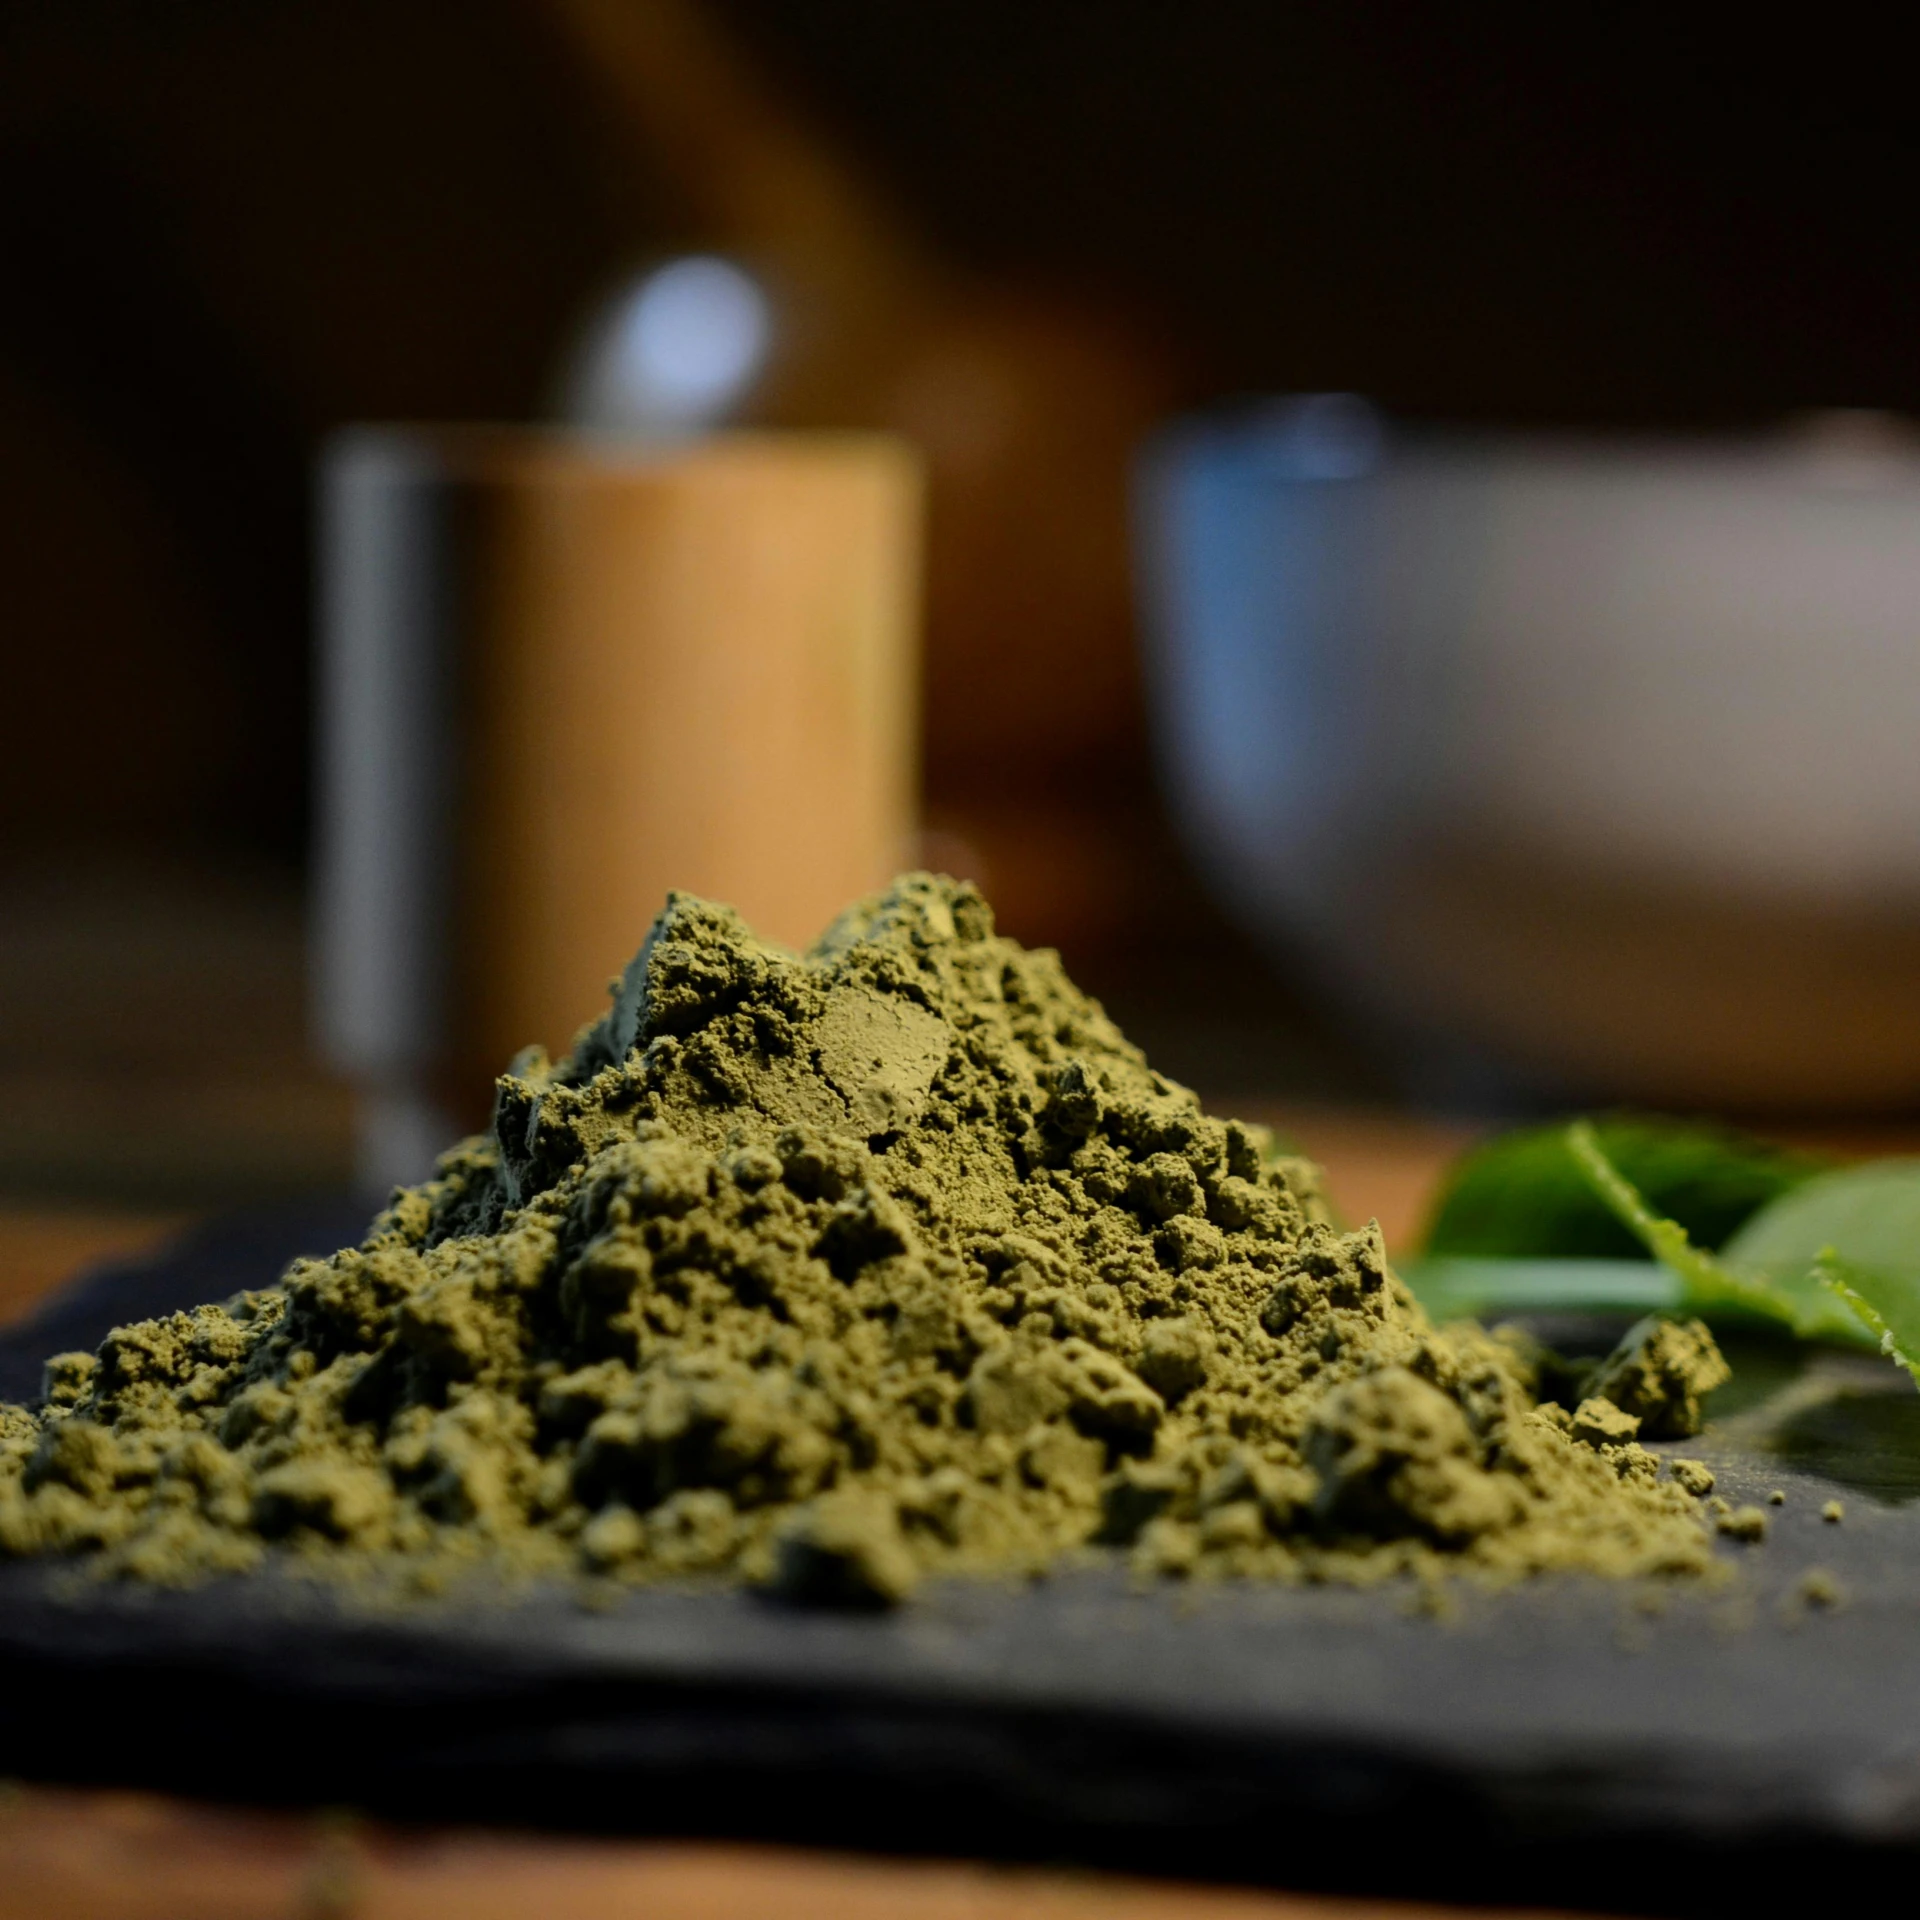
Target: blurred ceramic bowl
x,y
1598,763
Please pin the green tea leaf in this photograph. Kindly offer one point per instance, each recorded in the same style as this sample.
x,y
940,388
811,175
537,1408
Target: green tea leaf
x,y
1523,1195
1888,1306
1867,1217
1833,1255
1846,1247
1708,1284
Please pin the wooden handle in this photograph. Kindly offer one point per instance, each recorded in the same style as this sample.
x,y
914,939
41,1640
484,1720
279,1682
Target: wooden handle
x,y
694,668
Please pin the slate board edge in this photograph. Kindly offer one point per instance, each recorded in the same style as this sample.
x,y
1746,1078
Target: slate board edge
x,y
517,1704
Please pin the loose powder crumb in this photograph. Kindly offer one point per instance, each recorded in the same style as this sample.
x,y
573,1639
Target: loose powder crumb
x,y
832,1272
1601,1424
1694,1476
1833,1512
1776,1498
1660,1373
1744,1523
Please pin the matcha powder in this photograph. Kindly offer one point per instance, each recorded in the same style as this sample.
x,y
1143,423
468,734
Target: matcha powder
x,y
828,1273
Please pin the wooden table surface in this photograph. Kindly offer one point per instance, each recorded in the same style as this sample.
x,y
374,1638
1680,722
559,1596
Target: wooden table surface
x,y
124,1856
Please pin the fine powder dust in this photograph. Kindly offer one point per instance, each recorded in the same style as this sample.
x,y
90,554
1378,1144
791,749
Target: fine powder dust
x,y
828,1273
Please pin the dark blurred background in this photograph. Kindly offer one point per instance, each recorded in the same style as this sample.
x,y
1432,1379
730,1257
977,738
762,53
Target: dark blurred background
x,y
1021,235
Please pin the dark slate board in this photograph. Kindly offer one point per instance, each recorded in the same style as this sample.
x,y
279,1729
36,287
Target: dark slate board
x,y
1557,1744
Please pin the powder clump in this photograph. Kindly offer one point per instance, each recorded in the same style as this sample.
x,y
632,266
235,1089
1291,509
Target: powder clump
x,y
1659,1373
830,1272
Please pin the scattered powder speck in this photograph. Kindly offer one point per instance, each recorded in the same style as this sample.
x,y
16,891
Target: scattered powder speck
x,y
834,1271
1820,1587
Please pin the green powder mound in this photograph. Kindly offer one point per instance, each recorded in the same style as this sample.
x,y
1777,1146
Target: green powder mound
x,y
830,1272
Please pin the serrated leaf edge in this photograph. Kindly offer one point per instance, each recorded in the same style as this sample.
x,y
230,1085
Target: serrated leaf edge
x,y
1828,1267
1709,1281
